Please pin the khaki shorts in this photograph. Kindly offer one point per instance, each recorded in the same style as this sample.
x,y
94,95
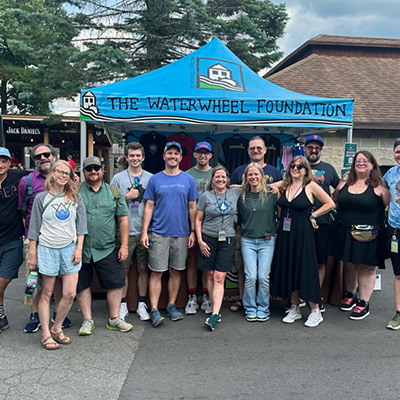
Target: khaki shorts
x,y
238,262
141,252
167,252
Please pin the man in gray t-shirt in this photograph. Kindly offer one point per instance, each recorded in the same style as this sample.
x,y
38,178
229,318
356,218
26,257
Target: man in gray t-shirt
x,y
132,183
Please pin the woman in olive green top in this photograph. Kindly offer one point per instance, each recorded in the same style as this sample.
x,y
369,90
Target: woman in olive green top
x,y
257,212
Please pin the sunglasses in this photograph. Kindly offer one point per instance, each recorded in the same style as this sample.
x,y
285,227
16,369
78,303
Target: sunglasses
x,y
297,166
37,157
90,168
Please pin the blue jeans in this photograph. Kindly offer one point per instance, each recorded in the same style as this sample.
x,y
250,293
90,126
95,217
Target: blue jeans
x,y
257,256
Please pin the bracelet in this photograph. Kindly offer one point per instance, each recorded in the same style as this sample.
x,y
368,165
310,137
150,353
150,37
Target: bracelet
x,y
192,231
312,216
124,247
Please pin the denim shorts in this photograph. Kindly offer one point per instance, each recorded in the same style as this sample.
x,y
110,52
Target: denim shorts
x,y
11,258
53,262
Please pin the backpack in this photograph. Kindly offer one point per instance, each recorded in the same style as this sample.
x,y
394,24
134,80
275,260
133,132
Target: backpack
x,y
28,192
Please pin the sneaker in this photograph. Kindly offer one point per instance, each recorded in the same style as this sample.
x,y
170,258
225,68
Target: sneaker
x,y
123,310
288,306
34,324
173,313
262,318
322,307
142,311
313,320
292,316
191,305
219,318
302,302
251,318
118,324
212,320
86,327
348,302
66,323
206,305
361,310
394,323
156,317
3,323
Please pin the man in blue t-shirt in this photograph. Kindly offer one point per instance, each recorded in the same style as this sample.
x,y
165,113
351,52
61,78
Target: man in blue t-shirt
x,y
171,206
256,151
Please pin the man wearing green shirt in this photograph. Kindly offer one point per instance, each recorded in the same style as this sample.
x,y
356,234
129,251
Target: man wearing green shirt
x,y
99,251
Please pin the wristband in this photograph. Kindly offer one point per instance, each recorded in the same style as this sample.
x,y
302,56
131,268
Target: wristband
x,y
312,216
192,231
124,247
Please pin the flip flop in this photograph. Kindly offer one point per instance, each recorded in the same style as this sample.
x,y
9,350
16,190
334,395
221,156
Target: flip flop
x,y
238,306
64,340
49,345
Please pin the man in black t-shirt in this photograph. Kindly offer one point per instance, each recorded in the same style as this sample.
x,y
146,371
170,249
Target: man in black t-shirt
x,y
326,176
11,227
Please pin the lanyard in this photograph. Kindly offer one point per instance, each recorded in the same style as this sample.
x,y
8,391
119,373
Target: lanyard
x,y
221,212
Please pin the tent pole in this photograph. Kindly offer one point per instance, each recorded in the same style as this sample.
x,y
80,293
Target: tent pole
x,y
83,151
350,135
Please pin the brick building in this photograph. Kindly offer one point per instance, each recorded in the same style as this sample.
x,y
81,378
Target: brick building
x,y
365,69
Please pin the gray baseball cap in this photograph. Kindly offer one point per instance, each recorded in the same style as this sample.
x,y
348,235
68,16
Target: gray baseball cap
x,y
92,160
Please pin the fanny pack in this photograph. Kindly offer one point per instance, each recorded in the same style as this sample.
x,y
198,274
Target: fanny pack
x,y
364,233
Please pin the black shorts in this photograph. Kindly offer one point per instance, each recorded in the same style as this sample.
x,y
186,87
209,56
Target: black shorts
x,y
109,271
395,257
222,254
322,237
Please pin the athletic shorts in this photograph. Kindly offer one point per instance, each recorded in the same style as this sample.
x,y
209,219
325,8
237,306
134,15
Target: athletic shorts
x,y
11,258
167,252
54,262
395,257
222,254
134,247
322,238
109,271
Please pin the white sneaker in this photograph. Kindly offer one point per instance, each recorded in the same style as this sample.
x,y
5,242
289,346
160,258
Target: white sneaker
x,y
123,310
206,305
191,305
314,319
142,311
292,315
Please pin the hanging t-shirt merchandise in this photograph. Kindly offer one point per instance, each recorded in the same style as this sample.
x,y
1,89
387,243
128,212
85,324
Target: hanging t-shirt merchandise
x,y
218,153
273,146
188,144
235,150
153,144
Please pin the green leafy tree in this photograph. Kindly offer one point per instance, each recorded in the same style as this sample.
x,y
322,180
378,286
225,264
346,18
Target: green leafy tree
x,y
38,62
156,32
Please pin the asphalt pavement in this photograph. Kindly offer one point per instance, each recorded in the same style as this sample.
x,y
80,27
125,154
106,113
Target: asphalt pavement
x,y
340,358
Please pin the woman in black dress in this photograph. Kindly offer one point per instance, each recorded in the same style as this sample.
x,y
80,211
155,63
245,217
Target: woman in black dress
x,y
296,272
361,201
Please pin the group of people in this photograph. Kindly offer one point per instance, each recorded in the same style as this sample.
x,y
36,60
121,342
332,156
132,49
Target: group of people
x,y
199,220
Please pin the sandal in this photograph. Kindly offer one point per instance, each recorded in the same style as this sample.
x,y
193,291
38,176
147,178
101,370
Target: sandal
x,y
64,340
52,345
238,306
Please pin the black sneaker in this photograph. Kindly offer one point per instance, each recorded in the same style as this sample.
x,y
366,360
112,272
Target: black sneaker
x,y
3,323
66,323
361,310
349,301
322,307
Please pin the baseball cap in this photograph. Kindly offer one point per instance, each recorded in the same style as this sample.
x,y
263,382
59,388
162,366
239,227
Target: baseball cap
x,y
396,143
173,144
203,145
315,138
92,160
5,152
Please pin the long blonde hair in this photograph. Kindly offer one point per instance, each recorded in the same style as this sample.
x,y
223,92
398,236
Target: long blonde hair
x,y
246,184
70,188
308,177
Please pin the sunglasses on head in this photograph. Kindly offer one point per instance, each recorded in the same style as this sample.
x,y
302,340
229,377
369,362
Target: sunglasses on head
x,y
89,168
37,157
297,166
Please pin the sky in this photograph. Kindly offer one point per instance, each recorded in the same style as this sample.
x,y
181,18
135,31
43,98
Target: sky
x,y
373,18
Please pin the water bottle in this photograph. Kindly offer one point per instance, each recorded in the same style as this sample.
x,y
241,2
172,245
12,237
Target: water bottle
x,y
31,283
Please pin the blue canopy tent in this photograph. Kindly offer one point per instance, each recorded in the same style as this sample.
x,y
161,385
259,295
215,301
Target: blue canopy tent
x,y
212,91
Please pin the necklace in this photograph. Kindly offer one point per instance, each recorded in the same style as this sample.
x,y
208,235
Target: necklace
x,y
252,201
360,184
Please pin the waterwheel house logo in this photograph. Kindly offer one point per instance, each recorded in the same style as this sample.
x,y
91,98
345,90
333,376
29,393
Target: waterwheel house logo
x,y
217,74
